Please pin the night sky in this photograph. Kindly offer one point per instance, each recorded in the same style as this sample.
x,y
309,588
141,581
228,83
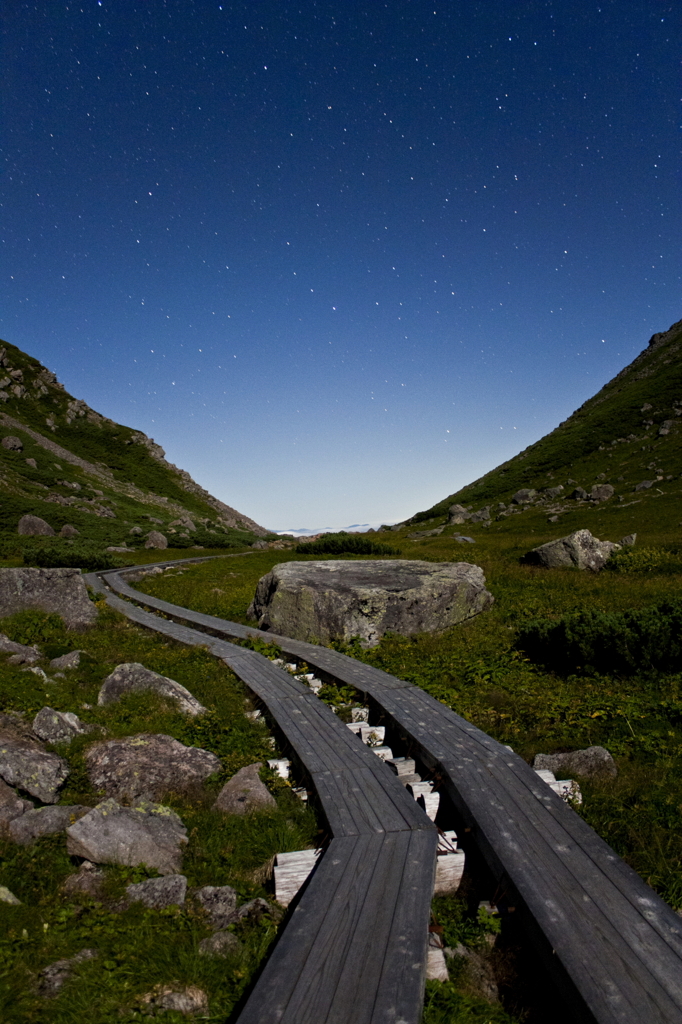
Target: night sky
x,y
339,259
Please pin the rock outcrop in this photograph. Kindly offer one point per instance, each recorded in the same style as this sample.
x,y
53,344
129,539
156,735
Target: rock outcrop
x,y
60,591
148,765
132,677
579,549
322,601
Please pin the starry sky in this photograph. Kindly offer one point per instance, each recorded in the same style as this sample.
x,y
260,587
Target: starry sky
x,y
339,259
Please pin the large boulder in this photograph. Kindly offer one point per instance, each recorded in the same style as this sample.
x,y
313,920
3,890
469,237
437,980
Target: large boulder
x,y
57,726
24,763
579,549
131,677
12,444
244,792
457,514
148,765
21,654
602,492
323,601
144,834
156,540
47,590
523,496
34,526
592,762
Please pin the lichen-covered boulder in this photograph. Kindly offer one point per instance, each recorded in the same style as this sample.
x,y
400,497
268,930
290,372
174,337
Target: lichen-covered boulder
x,y
34,526
323,601
24,763
591,762
148,765
131,677
579,549
57,726
146,833
60,591
44,821
168,891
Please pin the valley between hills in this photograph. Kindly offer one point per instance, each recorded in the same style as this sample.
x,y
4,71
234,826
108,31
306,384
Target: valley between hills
x,y
530,671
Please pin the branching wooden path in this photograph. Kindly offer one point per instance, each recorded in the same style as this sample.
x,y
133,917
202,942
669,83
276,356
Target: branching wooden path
x,y
611,943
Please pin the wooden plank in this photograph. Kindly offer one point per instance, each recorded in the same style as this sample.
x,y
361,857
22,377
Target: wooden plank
x,y
355,802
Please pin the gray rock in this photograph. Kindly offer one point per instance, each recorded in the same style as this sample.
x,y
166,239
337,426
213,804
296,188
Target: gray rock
x,y
260,545
148,765
44,821
662,430
8,897
118,548
457,514
67,661
32,463
156,540
219,903
159,892
579,494
592,762
186,522
322,601
221,944
48,590
579,549
426,533
601,492
131,677
57,726
523,496
553,492
87,881
34,526
136,531
254,910
461,539
11,806
188,1001
146,833
629,541
21,654
69,532
12,444
244,792
481,516
52,977
25,764
644,485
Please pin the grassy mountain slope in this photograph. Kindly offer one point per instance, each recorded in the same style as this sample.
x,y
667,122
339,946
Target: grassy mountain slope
x,y
612,433
76,466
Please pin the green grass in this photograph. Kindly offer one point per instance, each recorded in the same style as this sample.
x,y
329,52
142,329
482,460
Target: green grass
x,y
138,948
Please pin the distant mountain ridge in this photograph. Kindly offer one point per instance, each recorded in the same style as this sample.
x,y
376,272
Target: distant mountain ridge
x,y
105,463
629,410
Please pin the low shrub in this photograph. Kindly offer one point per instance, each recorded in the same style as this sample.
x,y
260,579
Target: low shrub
x,y
646,560
344,544
621,643
58,555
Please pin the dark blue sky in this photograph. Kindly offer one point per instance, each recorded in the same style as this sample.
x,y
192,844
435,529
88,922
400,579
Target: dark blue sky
x,y
339,259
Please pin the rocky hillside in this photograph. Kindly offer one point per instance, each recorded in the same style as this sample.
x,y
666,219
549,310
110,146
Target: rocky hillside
x,y
66,463
629,436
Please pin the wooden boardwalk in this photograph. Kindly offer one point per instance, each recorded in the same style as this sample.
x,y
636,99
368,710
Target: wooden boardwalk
x,y
611,943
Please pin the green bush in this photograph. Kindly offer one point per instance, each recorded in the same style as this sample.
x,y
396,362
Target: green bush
x,y
617,643
344,544
81,556
641,560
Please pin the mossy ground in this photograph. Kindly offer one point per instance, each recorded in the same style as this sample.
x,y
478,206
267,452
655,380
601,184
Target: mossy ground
x,y
137,948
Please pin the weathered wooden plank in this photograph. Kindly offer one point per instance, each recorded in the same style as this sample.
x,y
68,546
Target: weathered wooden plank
x,y
355,802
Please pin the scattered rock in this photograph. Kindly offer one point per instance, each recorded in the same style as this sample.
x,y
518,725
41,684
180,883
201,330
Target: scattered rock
x,y
644,485
8,897
482,516
579,549
48,590
44,821
219,903
147,765
67,661
156,540
117,548
592,762
21,654
69,532
189,1001
255,909
147,833
12,444
34,526
52,977
457,514
32,463
601,492
25,764
159,892
426,533
662,430
461,539
136,531
260,545
323,601
244,792
87,881
185,522
221,944
11,806
579,494
629,541
57,726
523,496
131,677
553,492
